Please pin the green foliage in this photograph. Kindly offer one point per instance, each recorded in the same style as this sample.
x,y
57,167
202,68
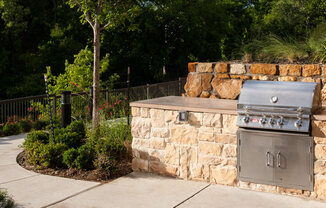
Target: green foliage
x,y
69,157
25,125
5,200
40,124
11,129
1,130
86,157
52,155
73,135
40,136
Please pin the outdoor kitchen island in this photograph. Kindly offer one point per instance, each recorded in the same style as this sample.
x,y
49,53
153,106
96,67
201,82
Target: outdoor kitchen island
x,y
202,145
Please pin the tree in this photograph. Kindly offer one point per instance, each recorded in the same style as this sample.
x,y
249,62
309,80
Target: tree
x,y
100,14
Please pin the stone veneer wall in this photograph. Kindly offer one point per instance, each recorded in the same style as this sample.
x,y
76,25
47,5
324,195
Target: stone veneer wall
x,y
205,149
224,80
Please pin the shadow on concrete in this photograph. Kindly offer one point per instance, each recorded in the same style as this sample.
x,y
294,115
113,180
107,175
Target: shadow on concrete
x,y
7,139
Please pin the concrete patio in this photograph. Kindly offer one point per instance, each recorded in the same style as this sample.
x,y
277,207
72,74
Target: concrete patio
x,y
134,190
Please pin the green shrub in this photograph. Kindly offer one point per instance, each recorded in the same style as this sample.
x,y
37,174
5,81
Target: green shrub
x,y
1,131
71,139
25,125
69,157
41,136
51,155
86,157
40,124
78,127
5,200
34,151
11,129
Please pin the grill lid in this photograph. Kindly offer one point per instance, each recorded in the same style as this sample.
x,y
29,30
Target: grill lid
x,y
278,94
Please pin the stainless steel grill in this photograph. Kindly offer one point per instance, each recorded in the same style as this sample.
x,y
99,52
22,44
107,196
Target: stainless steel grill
x,y
274,142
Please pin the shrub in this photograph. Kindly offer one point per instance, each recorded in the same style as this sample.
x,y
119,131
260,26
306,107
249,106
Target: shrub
x,y
51,155
71,139
69,157
40,124
41,136
11,129
86,157
1,130
78,127
6,201
25,125
34,150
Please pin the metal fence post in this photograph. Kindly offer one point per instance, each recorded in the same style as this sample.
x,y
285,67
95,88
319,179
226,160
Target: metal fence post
x,y
66,108
54,108
128,95
147,91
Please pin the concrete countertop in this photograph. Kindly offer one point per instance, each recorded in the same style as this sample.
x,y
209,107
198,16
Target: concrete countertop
x,y
201,105
189,104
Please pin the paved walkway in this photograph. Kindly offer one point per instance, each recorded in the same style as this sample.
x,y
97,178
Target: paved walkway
x,y
134,190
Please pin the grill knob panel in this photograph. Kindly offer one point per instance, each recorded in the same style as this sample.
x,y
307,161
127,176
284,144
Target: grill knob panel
x,y
245,119
280,121
262,121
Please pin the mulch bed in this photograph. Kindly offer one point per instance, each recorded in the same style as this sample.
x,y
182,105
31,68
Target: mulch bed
x,y
97,175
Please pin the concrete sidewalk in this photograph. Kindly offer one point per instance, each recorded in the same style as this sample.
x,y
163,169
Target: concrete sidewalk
x,y
134,190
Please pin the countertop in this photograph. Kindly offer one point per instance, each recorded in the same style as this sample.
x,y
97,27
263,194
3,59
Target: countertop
x,y
202,105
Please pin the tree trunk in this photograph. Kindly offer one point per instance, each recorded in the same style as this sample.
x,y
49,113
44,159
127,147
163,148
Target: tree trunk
x,y
96,76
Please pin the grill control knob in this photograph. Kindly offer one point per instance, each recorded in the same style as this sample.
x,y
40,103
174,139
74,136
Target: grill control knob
x,y
272,121
262,121
280,121
245,119
298,123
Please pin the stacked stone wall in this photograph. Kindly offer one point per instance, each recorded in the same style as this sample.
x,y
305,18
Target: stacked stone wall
x,y
224,80
205,149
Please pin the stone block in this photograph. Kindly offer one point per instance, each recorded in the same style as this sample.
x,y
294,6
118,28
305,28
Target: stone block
x,y
237,69
221,76
260,77
268,69
193,86
136,143
210,148
204,67
135,112
205,94
192,67
141,153
320,167
287,79
195,119
223,175
263,188
156,155
199,172
229,124
163,169
183,134
139,164
144,112
320,151
160,132
311,70
243,77
206,81
320,187
318,128
215,97
307,79
206,136
320,140
170,116
141,128
290,70
157,118
229,150
172,154
221,67
212,120
225,139
157,143
227,88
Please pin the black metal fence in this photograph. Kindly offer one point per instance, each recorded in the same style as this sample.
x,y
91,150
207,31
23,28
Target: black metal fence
x,y
35,107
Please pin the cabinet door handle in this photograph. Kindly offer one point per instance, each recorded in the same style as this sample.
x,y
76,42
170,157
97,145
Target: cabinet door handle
x,y
279,159
268,158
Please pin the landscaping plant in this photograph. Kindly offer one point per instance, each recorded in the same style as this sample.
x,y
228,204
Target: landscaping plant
x,y
6,201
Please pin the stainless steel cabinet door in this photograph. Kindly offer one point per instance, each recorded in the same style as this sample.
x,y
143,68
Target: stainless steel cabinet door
x,y
294,159
255,157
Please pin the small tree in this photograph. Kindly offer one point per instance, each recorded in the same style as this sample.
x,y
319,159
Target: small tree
x,y
101,14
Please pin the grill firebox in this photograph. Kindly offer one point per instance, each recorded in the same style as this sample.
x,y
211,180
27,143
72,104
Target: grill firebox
x,y
274,139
